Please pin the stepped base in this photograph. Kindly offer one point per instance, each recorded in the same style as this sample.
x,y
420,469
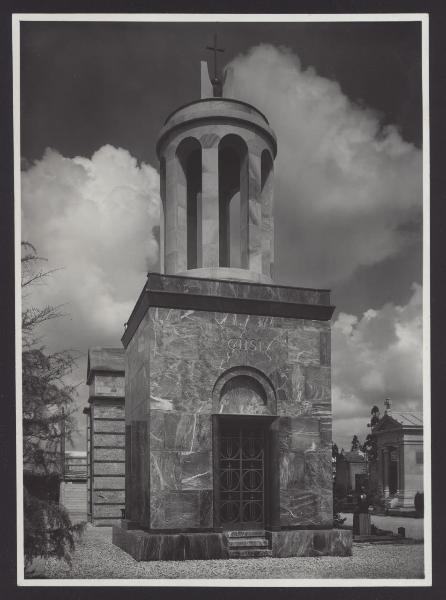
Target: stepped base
x,y
208,545
251,553
248,544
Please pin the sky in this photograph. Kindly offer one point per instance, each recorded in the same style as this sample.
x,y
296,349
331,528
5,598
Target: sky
x,y
345,102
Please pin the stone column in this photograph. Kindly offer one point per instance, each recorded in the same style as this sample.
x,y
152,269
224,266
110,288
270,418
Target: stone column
x,y
210,206
401,474
162,243
254,213
406,490
267,201
175,235
162,248
386,472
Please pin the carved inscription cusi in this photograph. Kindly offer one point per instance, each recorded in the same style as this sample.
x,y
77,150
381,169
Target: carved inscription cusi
x,y
245,345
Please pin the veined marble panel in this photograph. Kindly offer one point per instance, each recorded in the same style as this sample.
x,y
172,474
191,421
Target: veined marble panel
x,y
175,339
180,385
292,469
304,346
299,433
186,432
179,471
329,542
181,509
317,383
137,473
299,508
318,469
156,430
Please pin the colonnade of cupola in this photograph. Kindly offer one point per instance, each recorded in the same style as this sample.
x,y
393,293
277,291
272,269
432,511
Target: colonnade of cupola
x,y
216,171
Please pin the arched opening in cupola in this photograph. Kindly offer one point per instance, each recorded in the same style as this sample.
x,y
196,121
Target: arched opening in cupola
x,y
190,178
233,201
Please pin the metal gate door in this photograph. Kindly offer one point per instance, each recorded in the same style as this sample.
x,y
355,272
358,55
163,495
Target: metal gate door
x,y
242,476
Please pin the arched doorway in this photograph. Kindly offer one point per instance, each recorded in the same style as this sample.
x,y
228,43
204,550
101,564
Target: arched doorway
x,y
242,474
244,451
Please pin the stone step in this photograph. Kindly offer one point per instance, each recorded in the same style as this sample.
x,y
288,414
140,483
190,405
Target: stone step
x,y
245,533
250,553
259,542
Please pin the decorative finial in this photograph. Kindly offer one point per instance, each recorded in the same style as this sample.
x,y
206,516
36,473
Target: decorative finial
x,y
388,405
216,82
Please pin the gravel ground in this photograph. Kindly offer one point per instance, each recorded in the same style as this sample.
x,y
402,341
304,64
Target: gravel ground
x,y
97,558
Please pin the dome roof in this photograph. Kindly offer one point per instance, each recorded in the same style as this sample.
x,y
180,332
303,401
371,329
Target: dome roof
x,y
217,110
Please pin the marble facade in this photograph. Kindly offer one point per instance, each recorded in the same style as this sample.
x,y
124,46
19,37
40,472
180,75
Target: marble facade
x,y
181,365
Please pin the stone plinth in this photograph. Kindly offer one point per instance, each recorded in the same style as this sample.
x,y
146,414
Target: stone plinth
x,y
142,545
146,546
326,542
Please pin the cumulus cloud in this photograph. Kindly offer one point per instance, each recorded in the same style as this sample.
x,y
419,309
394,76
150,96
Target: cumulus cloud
x,y
93,218
375,356
345,188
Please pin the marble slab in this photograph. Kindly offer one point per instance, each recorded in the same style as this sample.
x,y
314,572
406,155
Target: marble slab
x,y
232,289
145,546
182,431
331,542
181,509
179,471
299,508
137,475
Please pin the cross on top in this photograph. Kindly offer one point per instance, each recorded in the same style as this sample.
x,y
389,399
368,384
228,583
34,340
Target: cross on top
x,y
215,49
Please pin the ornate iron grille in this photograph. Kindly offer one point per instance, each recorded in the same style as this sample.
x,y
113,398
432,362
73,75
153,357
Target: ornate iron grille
x,y
242,478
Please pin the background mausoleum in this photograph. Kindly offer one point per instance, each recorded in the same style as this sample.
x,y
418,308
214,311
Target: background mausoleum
x,y
397,474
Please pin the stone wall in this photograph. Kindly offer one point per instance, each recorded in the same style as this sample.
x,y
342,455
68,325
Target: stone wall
x,y
106,449
87,412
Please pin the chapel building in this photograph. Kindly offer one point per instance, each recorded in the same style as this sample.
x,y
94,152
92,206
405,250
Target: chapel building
x,y
227,374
